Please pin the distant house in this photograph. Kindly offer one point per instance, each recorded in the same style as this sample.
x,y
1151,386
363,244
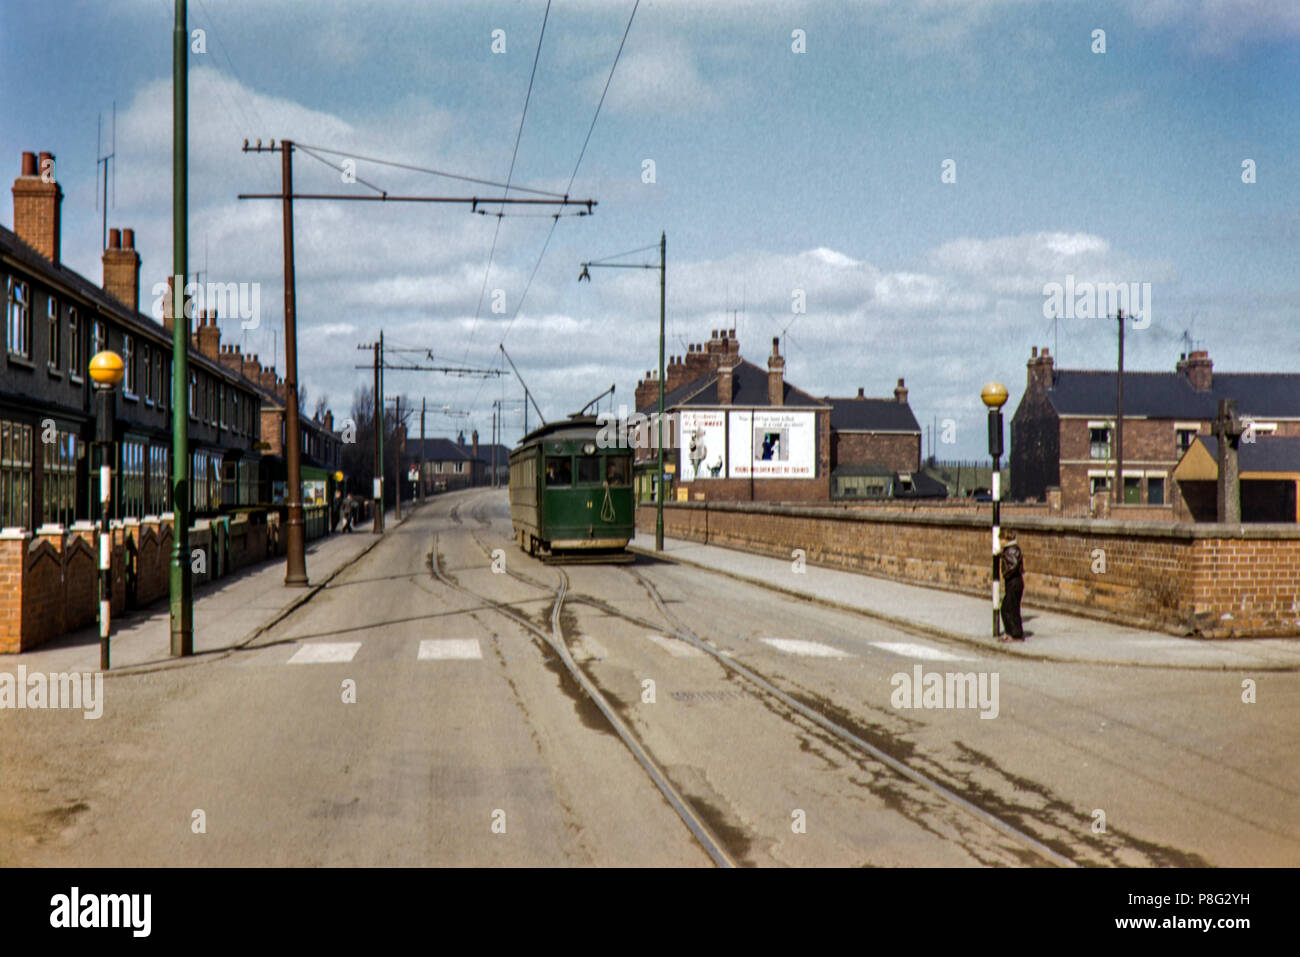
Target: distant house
x,y
1269,470
738,432
450,465
876,449
1063,430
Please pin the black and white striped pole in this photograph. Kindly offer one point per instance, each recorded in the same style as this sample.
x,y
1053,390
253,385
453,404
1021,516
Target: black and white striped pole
x,y
106,371
994,395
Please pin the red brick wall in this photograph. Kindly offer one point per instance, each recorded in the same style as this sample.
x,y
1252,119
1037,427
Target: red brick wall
x,y
49,584
899,453
1206,580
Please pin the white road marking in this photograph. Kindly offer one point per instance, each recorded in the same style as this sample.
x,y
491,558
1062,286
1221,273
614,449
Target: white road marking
x,y
587,648
450,649
676,647
325,652
812,649
912,650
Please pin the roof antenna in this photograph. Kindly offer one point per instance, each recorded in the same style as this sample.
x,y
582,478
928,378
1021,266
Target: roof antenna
x,y
105,160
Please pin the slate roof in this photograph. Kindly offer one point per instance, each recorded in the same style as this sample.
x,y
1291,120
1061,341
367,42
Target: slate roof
x,y
748,390
1268,453
448,450
1169,395
855,414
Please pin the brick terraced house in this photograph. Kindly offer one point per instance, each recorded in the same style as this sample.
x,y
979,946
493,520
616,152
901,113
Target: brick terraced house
x,y
55,320
1063,430
738,432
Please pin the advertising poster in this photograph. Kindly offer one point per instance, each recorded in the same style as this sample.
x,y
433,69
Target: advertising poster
x,y
704,445
773,444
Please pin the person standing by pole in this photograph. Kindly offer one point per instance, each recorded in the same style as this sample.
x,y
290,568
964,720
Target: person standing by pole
x,y
1013,576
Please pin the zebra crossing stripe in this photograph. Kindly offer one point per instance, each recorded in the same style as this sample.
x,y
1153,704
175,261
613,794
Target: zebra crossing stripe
x,y
325,652
910,649
811,649
450,649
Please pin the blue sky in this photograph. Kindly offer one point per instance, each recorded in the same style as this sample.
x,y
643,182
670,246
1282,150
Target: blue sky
x,y
775,171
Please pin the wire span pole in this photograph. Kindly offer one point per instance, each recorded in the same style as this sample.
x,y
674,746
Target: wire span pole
x,y
420,483
295,572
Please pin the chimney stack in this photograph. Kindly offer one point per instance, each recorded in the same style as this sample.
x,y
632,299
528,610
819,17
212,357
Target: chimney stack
x,y
900,393
725,383
775,375
38,199
209,334
122,268
1040,370
862,393
1199,369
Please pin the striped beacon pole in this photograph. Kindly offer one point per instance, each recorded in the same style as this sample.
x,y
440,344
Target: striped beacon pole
x,y
106,371
994,395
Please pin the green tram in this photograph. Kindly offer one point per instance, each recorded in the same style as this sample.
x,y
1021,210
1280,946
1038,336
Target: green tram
x,y
569,499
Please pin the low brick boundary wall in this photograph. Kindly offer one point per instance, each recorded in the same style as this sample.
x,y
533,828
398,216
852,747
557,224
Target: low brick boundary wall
x,y
1215,581
49,580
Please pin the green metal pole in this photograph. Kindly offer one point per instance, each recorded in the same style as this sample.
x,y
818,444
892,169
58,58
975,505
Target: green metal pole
x,y
659,484
181,586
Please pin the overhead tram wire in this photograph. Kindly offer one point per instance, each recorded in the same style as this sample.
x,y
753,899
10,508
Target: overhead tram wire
x,y
430,170
514,155
574,175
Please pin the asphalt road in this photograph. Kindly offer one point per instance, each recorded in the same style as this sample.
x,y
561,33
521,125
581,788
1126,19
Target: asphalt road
x,y
468,744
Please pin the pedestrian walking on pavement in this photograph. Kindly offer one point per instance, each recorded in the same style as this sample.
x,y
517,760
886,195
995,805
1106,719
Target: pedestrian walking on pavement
x,y
347,513
1013,577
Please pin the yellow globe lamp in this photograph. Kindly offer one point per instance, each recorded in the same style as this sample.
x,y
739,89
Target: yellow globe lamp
x,y
338,476
994,395
107,369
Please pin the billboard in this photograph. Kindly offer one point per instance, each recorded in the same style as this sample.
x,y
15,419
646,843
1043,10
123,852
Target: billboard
x,y
770,444
703,445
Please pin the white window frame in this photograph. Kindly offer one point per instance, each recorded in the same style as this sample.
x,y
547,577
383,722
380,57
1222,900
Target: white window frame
x,y
128,358
75,358
54,328
18,318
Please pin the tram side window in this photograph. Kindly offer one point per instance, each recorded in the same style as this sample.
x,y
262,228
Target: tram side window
x,y
589,470
559,470
616,469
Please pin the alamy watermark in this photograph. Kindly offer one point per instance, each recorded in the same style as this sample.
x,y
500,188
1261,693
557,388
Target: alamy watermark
x,y
634,430
933,689
1095,300
82,691
230,299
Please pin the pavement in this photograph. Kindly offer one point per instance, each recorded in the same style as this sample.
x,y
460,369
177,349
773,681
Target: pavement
x,y
1050,635
228,614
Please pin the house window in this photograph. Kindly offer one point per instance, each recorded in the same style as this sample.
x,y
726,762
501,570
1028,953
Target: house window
x,y
60,479
159,479
15,474
20,319
1099,443
194,388
1098,484
1132,490
128,357
221,403
148,375
101,337
1185,439
131,481
74,345
52,312
162,395
1156,491
235,421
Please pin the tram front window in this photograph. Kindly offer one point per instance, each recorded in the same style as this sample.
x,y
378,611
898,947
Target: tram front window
x,y
617,469
588,470
559,470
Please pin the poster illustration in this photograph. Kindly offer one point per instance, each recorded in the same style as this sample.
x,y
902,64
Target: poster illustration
x,y
704,445
773,444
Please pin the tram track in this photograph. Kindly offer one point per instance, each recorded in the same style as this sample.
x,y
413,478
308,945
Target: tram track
x,y
844,736
690,816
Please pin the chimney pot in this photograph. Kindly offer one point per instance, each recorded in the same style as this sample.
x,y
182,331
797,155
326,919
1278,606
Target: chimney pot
x,y
114,238
1033,354
29,164
128,239
862,394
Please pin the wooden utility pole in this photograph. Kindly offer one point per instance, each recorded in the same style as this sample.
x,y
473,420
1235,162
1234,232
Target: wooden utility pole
x,y
1119,416
378,527
295,573
420,483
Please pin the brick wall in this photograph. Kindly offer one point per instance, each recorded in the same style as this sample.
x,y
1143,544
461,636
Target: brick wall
x,y
1209,580
899,453
49,582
